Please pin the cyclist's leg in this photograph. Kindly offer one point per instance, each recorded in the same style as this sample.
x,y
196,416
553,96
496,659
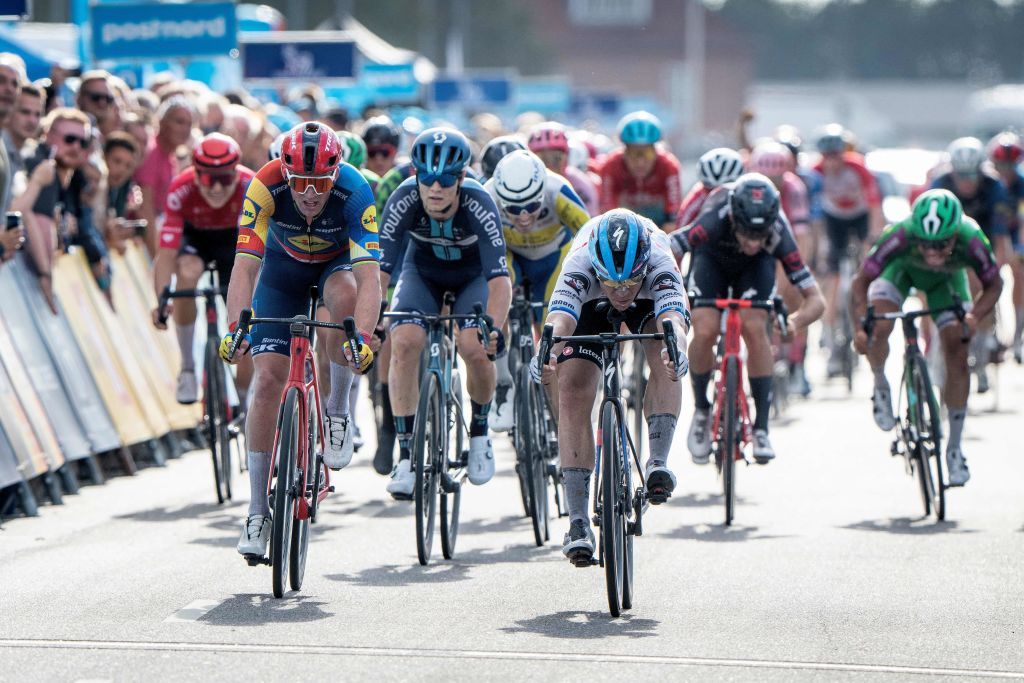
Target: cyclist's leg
x,y
838,237
958,380
338,286
188,270
662,402
481,380
757,281
886,294
501,418
1017,266
707,280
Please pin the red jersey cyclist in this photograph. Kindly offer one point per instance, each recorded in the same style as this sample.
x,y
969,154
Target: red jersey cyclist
x,y
200,226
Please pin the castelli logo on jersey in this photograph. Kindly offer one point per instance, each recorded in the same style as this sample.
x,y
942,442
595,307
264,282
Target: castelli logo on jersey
x,y
567,351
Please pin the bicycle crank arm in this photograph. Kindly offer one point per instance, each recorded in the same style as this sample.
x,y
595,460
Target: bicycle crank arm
x,y
449,484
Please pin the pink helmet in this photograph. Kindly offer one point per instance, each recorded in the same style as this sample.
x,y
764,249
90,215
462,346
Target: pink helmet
x,y
548,136
771,158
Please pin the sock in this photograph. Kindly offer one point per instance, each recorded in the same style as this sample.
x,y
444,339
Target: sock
x,y
1018,329
699,381
478,422
353,396
880,381
660,430
186,334
577,492
389,417
259,474
341,380
761,390
501,365
403,429
957,416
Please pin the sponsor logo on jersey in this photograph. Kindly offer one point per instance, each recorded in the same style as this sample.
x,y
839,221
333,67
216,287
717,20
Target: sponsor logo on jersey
x,y
372,245
310,243
488,219
665,281
567,351
243,239
249,210
369,219
578,282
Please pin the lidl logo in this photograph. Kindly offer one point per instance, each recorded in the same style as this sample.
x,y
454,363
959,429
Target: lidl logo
x,y
248,212
370,219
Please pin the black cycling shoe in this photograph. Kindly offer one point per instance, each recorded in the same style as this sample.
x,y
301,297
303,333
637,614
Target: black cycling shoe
x,y
660,484
579,544
383,459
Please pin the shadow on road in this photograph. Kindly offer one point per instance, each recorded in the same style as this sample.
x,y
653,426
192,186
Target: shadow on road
x,y
480,526
375,508
916,526
393,575
703,500
574,625
191,511
253,609
717,533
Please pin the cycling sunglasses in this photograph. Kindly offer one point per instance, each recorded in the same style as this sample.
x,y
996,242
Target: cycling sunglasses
x,y
382,151
71,139
321,184
623,284
938,245
519,209
211,179
444,179
640,151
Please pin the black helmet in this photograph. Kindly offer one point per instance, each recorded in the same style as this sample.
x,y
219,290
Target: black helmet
x,y
754,203
496,150
380,130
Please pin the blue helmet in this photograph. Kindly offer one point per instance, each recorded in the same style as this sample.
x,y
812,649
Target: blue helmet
x,y
440,150
639,128
620,246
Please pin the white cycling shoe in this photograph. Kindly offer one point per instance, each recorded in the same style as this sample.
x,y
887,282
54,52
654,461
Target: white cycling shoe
x,y
403,481
340,442
481,460
255,536
188,389
957,465
501,418
881,408
698,440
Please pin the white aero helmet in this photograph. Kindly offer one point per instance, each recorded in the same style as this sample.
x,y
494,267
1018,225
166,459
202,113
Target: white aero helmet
x,y
519,178
275,147
966,155
718,166
579,155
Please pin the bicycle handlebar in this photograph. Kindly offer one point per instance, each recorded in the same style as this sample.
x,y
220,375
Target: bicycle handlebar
x,y
957,308
486,322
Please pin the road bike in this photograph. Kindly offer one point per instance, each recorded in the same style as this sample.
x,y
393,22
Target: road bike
x,y
731,426
299,481
919,434
618,507
221,420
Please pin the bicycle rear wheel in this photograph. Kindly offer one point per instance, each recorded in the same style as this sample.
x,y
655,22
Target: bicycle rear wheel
x,y
307,478
285,456
216,422
451,458
928,447
521,444
730,442
613,502
541,502
528,459
428,447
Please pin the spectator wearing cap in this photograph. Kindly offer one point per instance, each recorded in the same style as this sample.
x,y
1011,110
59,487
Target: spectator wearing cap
x,y
22,131
96,98
55,197
176,117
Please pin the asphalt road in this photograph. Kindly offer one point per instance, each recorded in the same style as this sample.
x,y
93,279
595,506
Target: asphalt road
x,y
829,573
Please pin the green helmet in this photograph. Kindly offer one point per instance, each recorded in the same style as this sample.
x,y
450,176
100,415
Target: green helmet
x,y
353,149
935,216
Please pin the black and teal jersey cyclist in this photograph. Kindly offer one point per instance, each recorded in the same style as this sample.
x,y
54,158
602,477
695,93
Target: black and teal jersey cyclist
x,y
445,231
930,251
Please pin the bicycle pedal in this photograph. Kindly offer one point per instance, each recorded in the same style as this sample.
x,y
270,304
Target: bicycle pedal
x,y
450,485
658,497
582,558
552,469
330,489
254,560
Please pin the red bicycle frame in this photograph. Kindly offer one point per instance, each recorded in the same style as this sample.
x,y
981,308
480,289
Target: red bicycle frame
x,y
731,349
301,355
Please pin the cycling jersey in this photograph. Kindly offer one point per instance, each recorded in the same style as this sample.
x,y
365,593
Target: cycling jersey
x,y
390,181
187,212
795,203
584,187
813,182
578,285
849,192
989,206
271,223
690,207
655,197
1015,191
561,215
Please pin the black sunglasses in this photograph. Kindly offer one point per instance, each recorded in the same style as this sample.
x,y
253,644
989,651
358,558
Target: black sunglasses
x,y
71,139
100,97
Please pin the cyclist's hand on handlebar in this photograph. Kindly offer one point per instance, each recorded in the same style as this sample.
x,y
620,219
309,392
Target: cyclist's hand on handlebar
x,y
860,342
675,372
495,345
228,340
165,314
543,374
364,351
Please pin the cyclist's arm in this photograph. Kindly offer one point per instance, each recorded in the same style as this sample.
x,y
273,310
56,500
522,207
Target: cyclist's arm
x,y
812,306
163,269
368,295
673,192
571,211
398,214
243,283
491,243
983,262
170,232
364,252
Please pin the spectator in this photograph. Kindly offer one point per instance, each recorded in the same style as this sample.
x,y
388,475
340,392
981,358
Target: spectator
x,y
121,155
12,75
10,242
22,132
176,118
139,125
55,198
336,115
96,98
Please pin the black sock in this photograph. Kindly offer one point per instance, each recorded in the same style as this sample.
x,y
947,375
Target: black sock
x,y
478,423
700,381
389,417
761,390
403,428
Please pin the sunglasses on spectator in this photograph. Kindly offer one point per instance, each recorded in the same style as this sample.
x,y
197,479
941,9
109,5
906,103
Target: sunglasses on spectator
x,y
321,184
383,151
71,139
98,97
211,179
444,179
519,209
938,245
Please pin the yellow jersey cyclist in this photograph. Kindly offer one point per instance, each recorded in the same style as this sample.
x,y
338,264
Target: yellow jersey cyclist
x,y
540,214
625,259
307,219
930,251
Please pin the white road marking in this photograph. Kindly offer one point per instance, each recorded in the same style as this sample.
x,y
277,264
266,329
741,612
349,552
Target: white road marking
x,y
192,611
341,650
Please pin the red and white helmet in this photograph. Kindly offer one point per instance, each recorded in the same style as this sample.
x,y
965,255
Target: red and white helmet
x,y
771,158
310,149
548,136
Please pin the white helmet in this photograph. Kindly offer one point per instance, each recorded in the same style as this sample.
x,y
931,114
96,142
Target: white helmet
x,y
579,155
275,147
719,165
771,158
966,155
519,178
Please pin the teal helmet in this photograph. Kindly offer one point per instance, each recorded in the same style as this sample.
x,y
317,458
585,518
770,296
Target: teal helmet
x,y
935,216
353,149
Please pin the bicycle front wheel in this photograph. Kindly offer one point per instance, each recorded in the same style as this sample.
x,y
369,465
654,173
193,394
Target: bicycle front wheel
x,y
216,422
528,460
613,502
286,453
451,459
928,446
428,447
729,447
307,479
